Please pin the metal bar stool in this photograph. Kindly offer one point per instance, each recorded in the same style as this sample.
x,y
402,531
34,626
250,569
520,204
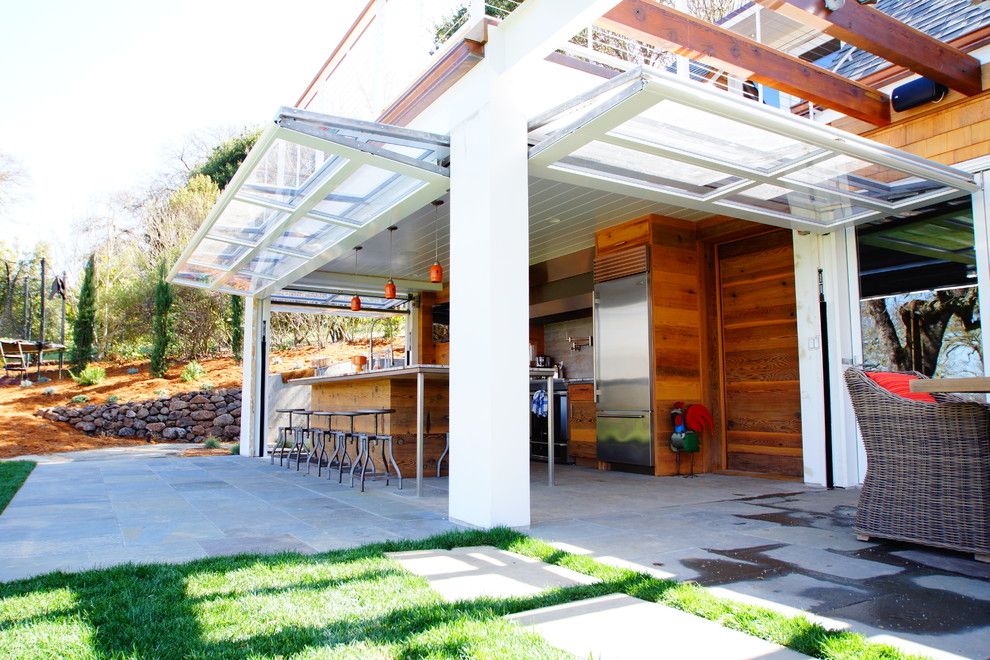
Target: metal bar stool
x,y
365,442
320,442
340,448
301,434
446,447
283,434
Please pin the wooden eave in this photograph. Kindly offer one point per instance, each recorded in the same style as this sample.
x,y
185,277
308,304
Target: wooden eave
x,y
870,29
668,28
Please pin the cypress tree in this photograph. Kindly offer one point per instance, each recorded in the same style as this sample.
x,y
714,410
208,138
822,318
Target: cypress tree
x,y
161,325
236,326
84,327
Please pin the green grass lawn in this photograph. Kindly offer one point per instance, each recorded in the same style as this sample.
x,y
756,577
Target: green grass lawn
x,y
353,603
13,474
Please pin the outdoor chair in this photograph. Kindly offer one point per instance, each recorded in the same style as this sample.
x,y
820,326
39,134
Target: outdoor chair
x,y
13,357
928,468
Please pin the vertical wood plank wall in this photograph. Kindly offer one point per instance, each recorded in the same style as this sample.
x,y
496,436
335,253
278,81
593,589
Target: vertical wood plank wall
x,y
762,393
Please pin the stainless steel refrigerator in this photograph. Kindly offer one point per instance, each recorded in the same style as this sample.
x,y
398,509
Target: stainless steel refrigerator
x,y
623,370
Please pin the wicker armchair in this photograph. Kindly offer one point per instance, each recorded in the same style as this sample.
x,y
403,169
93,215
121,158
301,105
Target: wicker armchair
x,y
928,468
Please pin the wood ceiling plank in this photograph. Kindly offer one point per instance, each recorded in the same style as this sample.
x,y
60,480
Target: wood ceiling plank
x,y
668,28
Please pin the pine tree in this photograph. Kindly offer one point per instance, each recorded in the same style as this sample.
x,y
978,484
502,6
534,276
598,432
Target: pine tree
x,y
236,326
161,325
84,327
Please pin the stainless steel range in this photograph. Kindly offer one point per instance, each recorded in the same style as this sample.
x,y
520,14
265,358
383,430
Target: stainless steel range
x,y
623,365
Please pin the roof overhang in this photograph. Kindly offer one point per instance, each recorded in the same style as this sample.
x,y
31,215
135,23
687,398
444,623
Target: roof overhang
x,y
672,141
312,188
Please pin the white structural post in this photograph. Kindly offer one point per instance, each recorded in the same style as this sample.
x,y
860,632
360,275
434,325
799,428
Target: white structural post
x,y
806,261
981,241
826,264
257,313
489,310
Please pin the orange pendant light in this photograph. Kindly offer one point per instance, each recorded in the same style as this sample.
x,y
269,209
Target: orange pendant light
x,y
356,300
390,284
436,270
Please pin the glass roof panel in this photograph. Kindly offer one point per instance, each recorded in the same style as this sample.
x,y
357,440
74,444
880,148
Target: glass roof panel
x,y
366,194
217,254
820,208
680,127
271,264
311,236
665,139
853,176
245,222
286,171
641,168
334,300
310,181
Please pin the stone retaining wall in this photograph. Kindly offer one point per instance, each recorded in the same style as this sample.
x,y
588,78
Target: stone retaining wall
x,y
188,417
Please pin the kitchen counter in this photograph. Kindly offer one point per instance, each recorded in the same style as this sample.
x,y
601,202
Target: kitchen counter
x,y
417,393
429,370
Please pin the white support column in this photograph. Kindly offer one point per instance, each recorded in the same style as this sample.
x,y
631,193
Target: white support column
x,y
835,255
257,313
811,372
489,307
981,237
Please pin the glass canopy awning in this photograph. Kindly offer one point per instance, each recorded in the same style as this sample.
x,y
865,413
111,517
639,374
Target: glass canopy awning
x,y
672,141
312,188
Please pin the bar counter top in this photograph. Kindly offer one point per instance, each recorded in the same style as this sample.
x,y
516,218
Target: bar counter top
x,y
410,371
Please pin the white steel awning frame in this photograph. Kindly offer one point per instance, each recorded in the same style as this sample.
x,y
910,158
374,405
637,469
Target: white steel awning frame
x,y
593,117
416,160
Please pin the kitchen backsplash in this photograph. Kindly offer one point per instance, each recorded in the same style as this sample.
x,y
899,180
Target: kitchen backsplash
x,y
577,364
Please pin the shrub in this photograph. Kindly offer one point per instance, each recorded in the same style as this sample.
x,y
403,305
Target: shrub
x,y
48,391
80,398
113,398
161,324
236,326
161,394
91,375
211,443
207,387
132,370
26,383
84,326
235,449
192,371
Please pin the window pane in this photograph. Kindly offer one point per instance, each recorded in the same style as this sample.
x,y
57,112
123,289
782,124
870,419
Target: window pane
x,y
245,222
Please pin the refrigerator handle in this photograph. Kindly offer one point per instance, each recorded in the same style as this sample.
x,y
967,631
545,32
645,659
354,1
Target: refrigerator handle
x,y
594,345
621,415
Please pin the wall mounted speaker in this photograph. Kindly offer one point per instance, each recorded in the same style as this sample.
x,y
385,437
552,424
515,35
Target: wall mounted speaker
x,y
917,92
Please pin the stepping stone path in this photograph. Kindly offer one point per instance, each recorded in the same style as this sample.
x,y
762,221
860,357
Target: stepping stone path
x,y
613,626
479,571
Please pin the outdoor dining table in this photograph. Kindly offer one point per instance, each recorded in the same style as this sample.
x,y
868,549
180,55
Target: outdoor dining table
x,y
969,385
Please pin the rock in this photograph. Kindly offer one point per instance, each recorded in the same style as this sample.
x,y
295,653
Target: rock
x,y
99,422
156,427
130,414
177,404
232,430
139,424
216,398
202,415
86,427
141,412
199,399
231,407
126,432
173,433
198,430
223,420
185,421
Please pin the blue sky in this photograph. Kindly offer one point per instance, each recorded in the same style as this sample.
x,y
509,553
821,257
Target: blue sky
x,y
96,96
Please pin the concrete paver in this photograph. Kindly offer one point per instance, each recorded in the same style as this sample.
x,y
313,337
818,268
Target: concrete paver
x,y
619,626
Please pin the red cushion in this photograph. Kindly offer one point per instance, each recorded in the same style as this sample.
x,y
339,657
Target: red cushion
x,y
899,384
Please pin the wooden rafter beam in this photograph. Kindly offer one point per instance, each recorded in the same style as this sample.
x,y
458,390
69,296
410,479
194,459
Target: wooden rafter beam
x,y
872,30
670,29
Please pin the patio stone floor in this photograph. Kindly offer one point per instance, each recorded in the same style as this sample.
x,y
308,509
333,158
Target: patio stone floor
x,y
776,543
